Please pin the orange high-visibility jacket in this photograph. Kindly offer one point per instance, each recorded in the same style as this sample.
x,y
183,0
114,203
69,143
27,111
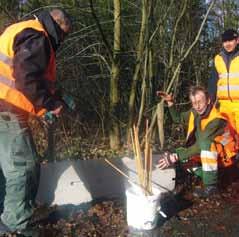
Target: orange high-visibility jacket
x,y
225,143
8,92
228,82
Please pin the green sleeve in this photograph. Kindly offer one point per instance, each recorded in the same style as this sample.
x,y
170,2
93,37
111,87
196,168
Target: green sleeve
x,y
183,118
179,117
204,140
184,153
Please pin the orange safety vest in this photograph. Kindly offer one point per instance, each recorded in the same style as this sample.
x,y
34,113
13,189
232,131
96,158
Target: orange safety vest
x,y
8,92
228,82
225,143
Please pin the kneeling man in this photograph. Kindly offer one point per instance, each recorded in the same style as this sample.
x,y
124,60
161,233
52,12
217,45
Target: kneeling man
x,y
209,136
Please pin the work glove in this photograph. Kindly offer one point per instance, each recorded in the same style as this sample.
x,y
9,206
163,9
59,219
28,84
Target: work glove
x,y
167,159
49,118
69,101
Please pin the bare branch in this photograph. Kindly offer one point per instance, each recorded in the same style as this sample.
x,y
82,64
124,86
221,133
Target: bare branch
x,y
174,33
161,20
107,45
8,14
190,48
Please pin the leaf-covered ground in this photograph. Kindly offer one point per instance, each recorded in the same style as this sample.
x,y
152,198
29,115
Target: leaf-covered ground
x,y
214,217
187,217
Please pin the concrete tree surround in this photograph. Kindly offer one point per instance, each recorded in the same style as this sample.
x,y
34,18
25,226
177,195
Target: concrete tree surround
x,y
81,181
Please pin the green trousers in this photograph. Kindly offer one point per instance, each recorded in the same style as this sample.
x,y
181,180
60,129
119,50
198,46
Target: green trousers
x,y
20,171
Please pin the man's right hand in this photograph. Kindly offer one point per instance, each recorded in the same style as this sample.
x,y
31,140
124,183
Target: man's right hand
x,y
167,159
57,111
166,97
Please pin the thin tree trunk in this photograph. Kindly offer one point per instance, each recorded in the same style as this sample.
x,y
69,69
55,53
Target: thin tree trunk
x,y
114,57
139,56
143,90
115,75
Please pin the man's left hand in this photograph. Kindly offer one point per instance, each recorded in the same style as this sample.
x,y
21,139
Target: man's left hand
x,y
50,117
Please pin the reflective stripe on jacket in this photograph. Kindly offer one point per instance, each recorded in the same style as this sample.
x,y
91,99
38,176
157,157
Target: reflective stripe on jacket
x,y
224,144
8,92
228,81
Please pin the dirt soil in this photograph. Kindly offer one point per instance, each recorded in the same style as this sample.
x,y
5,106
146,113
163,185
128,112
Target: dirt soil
x,y
214,217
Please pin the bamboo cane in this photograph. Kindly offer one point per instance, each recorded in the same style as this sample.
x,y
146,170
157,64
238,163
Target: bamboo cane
x,y
132,133
125,175
120,171
138,158
146,165
143,166
150,169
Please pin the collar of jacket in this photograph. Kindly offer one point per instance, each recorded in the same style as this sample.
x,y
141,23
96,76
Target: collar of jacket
x,y
53,30
197,118
235,51
228,56
206,112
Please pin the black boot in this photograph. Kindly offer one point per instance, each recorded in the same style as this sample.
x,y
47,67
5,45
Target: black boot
x,y
183,180
4,229
205,192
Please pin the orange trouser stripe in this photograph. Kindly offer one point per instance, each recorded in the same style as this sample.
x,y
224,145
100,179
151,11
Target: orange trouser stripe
x,y
205,160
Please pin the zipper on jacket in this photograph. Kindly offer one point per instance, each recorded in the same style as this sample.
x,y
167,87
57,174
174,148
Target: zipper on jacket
x,y
228,87
228,63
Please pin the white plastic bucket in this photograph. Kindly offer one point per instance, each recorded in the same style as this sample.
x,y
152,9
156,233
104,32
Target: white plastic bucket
x,y
142,210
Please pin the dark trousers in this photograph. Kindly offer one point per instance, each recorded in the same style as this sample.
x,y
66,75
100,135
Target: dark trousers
x,y
19,175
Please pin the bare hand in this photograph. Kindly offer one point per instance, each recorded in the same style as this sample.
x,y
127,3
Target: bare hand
x,y
167,97
167,159
57,111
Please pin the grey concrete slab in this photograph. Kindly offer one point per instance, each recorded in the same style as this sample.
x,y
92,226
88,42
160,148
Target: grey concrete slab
x,y
80,181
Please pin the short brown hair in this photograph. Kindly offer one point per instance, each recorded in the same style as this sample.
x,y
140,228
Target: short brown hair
x,y
62,19
194,89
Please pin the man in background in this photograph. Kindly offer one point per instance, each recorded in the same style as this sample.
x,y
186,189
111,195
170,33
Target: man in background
x,y
223,85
